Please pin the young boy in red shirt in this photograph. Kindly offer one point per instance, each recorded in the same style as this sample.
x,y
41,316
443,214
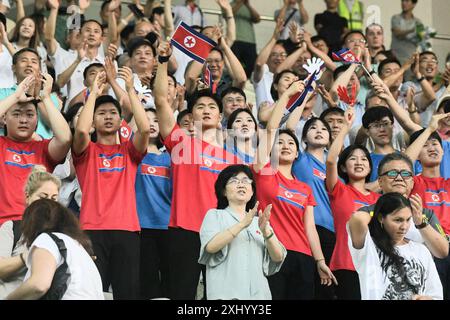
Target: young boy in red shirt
x,y
106,171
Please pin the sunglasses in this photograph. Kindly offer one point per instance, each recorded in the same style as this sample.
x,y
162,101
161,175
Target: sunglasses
x,y
393,174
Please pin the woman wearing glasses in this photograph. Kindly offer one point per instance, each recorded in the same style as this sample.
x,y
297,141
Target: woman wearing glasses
x,y
238,248
390,266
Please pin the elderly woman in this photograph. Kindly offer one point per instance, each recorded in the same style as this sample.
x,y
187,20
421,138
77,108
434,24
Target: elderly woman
x,y
238,249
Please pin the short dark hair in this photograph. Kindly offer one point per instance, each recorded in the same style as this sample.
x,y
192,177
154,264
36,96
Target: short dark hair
x,y
182,114
428,53
157,10
138,42
218,50
222,180
387,61
107,99
340,70
276,79
318,38
234,115
233,90
375,114
395,156
200,94
292,135
334,110
348,34
92,65
73,110
416,134
388,53
343,157
23,50
310,123
92,20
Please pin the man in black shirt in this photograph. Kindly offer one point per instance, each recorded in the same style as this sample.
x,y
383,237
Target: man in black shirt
x,y
330,25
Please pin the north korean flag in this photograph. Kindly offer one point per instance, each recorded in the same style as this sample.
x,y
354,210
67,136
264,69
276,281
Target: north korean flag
x,y
345,55
192,43
207,77
297,99
157,171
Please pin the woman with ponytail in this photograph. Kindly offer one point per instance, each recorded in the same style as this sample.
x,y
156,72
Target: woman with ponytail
x,y
390,266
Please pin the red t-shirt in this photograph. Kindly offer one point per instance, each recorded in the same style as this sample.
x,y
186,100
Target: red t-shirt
x,y
16,161
434,194
345,200
106,174
289,199
195,166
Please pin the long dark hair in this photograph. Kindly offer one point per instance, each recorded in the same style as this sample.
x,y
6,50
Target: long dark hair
x,y
387,204
345,154
310,123
221,182
46,215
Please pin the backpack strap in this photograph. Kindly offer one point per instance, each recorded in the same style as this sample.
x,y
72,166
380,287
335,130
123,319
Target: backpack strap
x,y
17,231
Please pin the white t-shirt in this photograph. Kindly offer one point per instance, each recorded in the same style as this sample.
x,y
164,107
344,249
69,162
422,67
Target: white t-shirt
x,y
379,285
84,282
6,73
262,88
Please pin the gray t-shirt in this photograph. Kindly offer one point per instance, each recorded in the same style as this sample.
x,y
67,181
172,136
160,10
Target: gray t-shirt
x,y
405,47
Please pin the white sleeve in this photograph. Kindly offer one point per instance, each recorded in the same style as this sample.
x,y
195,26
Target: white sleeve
x,y
433,285
44,241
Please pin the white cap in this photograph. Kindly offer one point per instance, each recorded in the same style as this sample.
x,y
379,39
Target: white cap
x,y
444,97
6,3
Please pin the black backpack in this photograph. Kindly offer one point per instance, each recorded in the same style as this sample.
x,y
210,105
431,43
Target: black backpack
x,y
62,274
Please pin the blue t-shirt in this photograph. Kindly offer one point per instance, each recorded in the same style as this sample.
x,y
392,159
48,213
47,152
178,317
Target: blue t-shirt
x,y
311,171
376,159
154,191
445,164
42,129
246,158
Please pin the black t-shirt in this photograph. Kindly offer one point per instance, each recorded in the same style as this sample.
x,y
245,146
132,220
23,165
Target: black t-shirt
x,y
333,27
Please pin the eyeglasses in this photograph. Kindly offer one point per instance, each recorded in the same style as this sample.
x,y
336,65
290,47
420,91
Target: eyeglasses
x,y
393,174
278,55
233,100
380,125
357,41
245,180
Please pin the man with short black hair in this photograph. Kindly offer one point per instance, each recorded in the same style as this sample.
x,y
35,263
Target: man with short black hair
x,y
196,162
106,172
232,99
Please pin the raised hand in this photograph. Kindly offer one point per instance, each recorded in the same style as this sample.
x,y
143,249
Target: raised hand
x,y
48,84
84,4
263,220
54,4
4,34
82,50
110,70
249,216
294,33
295,87
278,28
349,116
224,5
98,86
217,35
164,49
113,5
326,96
126,74
112,51
23,88
417,208
434,123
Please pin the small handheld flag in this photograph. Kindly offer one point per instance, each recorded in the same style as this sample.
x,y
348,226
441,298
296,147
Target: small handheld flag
x,y
347,55
192,43
207,76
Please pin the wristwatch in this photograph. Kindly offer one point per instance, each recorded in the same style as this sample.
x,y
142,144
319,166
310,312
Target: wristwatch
x,y
423,224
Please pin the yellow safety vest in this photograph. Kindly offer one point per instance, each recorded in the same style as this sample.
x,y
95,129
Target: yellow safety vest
x,y
355,17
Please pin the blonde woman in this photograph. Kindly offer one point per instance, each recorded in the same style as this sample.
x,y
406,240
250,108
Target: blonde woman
x,y
40,185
